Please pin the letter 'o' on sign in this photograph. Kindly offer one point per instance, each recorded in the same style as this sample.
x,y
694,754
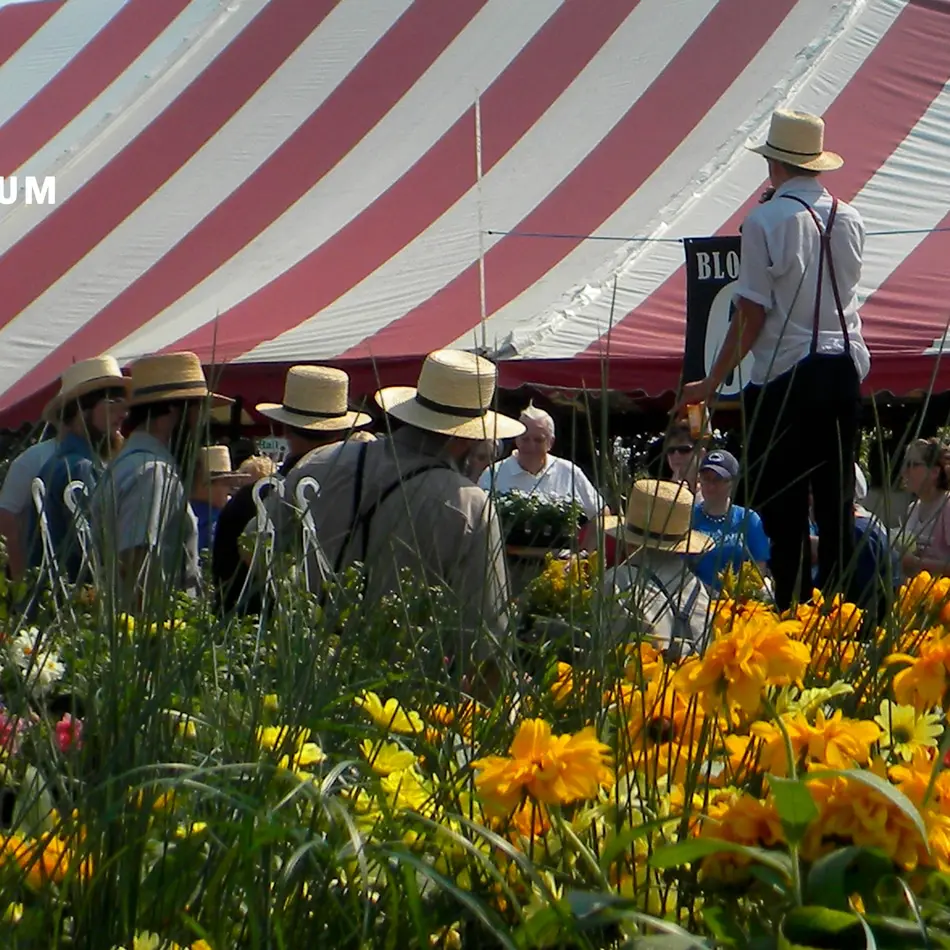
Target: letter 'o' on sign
x,y
720,316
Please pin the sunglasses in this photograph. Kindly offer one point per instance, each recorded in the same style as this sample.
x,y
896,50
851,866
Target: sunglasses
x,y
679,450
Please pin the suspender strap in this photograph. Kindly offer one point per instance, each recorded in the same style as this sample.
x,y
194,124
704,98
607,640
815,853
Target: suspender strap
x,y
368,516
824,252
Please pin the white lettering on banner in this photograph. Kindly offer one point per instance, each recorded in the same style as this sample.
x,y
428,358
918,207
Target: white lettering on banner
x,y
720,316
35,190
709,265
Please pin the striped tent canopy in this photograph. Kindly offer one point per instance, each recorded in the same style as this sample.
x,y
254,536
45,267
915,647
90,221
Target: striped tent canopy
x,y
276,181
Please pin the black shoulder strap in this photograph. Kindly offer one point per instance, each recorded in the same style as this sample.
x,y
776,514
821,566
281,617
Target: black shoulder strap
x,y
406,476
824,254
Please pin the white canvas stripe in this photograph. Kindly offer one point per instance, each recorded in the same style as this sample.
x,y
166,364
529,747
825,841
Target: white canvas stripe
x,y
571,128
278,108
196,18
584,317
445,91
116,130
53,45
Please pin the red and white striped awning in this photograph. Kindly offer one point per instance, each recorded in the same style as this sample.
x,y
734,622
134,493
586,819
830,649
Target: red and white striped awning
x,y
276,181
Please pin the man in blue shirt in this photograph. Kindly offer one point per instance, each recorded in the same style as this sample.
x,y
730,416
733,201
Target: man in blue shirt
x,y
737,532
89,409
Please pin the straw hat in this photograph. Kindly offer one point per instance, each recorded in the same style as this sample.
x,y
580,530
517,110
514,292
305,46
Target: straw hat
x,y
169,377
454,392
658,516
316,399
798,138
86,376
214,462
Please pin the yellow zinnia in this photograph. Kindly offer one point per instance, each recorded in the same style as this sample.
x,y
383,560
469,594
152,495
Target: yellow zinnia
x,y
905,731
551,769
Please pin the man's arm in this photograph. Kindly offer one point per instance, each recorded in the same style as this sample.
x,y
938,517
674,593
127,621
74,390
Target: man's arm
x,y
740,338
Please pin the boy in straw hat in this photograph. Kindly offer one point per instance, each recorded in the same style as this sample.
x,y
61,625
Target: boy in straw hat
x,y
798,316
404,503
314,413
89,410
653,592
214,483
141,504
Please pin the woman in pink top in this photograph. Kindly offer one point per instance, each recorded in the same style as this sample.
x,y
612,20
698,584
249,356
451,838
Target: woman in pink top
x,y
926,530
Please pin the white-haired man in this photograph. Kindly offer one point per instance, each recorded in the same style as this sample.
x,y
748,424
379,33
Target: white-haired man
x,y
532,470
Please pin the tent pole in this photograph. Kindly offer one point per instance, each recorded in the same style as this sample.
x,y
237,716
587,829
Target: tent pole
x,y
481,228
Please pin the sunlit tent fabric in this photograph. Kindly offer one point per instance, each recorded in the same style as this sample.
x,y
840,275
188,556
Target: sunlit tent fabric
x,y
276,181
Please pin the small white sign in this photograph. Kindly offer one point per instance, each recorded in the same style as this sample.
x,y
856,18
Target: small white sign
x,y
273,448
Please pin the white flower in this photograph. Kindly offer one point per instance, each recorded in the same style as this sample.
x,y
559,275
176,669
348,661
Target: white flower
x,y
41,666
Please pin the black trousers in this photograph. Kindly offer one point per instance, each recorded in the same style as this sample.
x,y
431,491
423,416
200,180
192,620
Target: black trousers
x,y
802,435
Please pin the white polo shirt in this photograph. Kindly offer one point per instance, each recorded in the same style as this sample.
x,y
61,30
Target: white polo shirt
x,y
779,271
560,479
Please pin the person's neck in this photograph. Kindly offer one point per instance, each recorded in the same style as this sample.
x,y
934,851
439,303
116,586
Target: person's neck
x,y
716,508
532,468
929,493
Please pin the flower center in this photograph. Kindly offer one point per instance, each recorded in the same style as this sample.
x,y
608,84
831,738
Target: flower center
x,y
901,734
660,730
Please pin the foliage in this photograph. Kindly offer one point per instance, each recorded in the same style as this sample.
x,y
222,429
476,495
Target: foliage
x,y
327,776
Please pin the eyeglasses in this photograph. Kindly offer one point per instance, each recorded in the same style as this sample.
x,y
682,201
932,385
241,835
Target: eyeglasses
x,y
680,450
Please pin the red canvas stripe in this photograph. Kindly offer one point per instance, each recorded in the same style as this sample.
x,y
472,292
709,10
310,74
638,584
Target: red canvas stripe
x,y
510,106
65,236
652,128
402,55
865,137
20,21
93,69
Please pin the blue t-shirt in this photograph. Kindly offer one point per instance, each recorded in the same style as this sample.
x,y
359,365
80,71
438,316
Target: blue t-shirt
x,y
207,523
738,538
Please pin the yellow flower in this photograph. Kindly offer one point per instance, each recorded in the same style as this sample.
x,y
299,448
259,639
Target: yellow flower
x,y
854,812
563,684
43,860
13,914
271,702
754,653
551,769
389,715
193,828
836,742
386,757
407,791
904,731
924,682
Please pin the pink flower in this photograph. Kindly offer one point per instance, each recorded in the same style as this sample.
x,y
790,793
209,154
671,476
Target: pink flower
x,y
11,728
69,733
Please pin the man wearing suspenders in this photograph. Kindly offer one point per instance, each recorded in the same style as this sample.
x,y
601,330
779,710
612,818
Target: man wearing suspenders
x,y
798,316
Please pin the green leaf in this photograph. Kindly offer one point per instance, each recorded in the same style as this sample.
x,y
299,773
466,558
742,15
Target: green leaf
x,y
666,942
616,846
687,852
834,878
894,795
723,926
807,927
795,806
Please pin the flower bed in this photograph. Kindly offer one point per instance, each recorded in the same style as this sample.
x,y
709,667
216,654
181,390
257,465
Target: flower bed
x,y
326,780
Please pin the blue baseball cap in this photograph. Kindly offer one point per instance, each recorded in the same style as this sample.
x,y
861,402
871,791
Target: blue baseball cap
x,y
723,463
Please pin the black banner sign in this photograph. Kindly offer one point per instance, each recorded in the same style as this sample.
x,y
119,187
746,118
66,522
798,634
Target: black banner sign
x,y
712,266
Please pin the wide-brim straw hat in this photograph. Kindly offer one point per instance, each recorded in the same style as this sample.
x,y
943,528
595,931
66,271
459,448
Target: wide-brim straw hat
x,y
82,378
453,397
658,515
171,377
316,398
214,463
798,138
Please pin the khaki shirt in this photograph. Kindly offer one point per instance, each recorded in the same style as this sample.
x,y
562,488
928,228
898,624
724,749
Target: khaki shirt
x,y
654,593
438,524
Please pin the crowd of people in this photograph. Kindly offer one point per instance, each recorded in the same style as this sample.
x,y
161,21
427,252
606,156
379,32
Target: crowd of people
x,y
127,482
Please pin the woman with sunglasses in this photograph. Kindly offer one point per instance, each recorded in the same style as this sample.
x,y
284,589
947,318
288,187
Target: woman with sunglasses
x,y
925,534
684,455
